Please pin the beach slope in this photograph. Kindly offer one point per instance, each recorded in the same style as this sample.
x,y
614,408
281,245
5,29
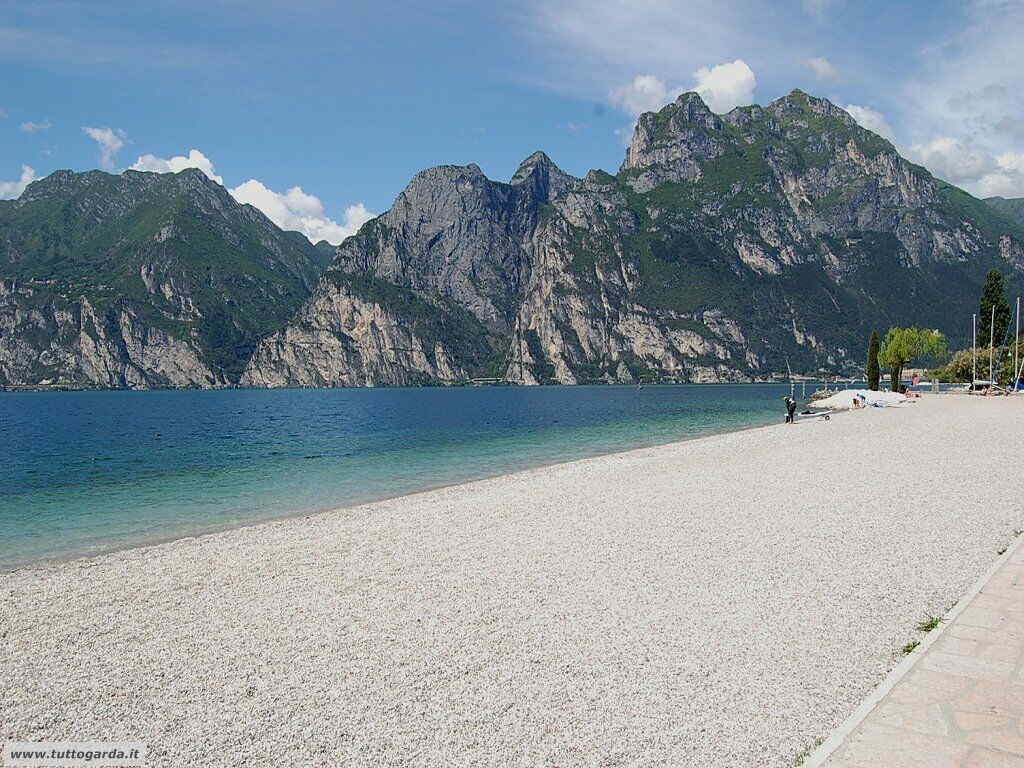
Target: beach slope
x,y
723,601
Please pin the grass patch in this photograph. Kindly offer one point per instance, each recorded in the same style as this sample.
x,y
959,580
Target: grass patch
x,y
806,752
910,647
928,623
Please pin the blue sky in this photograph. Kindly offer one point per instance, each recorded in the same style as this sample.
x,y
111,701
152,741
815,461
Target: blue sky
x,y
321,112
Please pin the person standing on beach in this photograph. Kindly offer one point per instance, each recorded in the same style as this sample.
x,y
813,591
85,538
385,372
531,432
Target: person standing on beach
x,y
790,409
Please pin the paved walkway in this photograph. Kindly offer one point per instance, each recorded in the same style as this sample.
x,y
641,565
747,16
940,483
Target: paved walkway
x,y
962,701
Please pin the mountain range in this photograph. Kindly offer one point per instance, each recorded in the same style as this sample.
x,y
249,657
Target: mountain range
x,y
727,247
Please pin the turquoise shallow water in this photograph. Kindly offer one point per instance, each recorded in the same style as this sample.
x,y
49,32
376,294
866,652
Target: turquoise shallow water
x,y
90,471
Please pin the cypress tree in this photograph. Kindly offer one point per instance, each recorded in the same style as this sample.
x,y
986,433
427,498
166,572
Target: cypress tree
x,y
872,370
993,296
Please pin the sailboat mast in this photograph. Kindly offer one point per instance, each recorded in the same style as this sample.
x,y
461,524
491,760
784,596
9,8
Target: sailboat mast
x,y
974,351
1016,345
991,343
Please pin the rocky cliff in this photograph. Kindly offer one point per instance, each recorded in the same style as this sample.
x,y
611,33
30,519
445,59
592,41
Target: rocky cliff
x,y
725,247
53,341
141,280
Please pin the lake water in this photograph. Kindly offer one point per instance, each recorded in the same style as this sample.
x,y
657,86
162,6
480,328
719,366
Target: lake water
x,y
90,471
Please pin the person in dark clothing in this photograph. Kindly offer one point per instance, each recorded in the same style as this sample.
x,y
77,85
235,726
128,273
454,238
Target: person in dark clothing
x,y
790,409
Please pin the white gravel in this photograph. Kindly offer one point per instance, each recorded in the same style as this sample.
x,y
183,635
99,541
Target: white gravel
x,y
844,398
719,602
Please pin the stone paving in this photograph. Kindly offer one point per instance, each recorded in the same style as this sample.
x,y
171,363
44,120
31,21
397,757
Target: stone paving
x,y
962,702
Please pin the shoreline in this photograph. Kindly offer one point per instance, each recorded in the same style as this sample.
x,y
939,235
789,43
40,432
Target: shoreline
x,y
47,388
727,599
57,560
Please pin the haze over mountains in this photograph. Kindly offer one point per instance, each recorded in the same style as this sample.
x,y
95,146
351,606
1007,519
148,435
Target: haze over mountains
x,y
724,246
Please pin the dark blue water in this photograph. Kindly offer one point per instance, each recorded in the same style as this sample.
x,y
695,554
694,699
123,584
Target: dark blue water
x,y
89,471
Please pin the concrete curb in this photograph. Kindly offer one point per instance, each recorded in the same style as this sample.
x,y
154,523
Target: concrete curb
x,y
824,751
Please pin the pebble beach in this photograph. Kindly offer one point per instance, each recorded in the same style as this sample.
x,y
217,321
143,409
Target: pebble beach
x,y
724,601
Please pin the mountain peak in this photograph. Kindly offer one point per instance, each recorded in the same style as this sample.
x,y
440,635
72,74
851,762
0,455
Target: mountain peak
x,y
539,172
60,182
797,103
692,100
679,136
172,280
537,161
194,173
536,158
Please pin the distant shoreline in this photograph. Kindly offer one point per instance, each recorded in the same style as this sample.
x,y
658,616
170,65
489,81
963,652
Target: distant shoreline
x,y
797,379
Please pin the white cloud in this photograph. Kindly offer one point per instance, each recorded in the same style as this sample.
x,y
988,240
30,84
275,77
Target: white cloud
x,y
973,82
953,159
964,107
972,167
822,68
722,87
645,94
959,77
726,86
355,216
1007,180
110,142
1007,185
31,127
195,159
12,189
296,210
871,119
586,47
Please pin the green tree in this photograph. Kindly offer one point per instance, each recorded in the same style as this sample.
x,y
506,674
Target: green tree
x,y
904,345
1004,366
961,366
872,370
993,295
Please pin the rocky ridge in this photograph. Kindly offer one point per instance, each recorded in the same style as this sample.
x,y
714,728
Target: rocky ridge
x,y
726,247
